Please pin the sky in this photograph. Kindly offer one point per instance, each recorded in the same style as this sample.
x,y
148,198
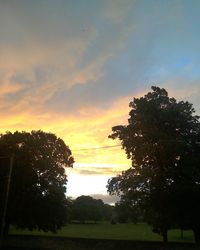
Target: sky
x,y
72,68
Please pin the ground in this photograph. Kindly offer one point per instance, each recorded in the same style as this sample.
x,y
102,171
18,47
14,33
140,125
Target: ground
x,y
105,230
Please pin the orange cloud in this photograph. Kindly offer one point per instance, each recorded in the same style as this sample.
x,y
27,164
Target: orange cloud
x,y
7,88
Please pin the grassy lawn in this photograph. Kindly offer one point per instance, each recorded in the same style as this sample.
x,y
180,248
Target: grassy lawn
x,y
129,231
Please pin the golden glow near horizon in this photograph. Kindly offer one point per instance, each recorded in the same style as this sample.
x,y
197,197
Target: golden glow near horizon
x,y
86,135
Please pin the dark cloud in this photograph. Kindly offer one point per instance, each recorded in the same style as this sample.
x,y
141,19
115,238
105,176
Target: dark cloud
x,y
109,199
97,171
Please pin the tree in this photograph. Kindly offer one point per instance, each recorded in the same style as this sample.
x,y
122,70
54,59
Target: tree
x,y
161,137
108,212
86,208
69,209
38,184
127,212
187,188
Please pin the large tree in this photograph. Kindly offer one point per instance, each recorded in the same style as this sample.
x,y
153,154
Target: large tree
x,y
162,140
85,208
38,182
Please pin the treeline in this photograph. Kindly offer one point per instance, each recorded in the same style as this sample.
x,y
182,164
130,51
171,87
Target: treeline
x,y
86,209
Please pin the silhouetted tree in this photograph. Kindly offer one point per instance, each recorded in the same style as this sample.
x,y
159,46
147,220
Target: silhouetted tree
x,y
186,187
127,212
108,211
162,140
38,184
85,208
69,209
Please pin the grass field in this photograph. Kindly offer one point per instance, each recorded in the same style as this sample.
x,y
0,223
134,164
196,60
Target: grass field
x,y
104,230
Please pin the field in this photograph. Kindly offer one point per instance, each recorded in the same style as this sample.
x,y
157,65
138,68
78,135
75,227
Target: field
x,y
140,231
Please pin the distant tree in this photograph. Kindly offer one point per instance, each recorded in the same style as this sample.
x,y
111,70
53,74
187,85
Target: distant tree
x,y
127,212
85,208
162,140
38,184
69,209
108,212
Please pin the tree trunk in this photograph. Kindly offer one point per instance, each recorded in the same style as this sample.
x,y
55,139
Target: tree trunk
x,y
197,236
181,233
6,228
165,236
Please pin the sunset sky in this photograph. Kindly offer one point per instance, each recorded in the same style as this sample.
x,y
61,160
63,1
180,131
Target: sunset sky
x,y
71,67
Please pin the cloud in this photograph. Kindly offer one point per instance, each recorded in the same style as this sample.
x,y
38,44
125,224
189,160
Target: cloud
x,y
43,55
116,10
7,88
184,89
109,199
99,169
89,129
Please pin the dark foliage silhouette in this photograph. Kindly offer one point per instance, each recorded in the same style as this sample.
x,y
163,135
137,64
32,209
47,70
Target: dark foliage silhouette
x,y
38,184
162,139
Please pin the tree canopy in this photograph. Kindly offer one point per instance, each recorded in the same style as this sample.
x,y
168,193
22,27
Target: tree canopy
x,y
86,208
162,139
38,184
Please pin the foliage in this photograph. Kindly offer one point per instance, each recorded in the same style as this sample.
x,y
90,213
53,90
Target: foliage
x,y
162,140
108,212
38,185
86,208
127,212
69,209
